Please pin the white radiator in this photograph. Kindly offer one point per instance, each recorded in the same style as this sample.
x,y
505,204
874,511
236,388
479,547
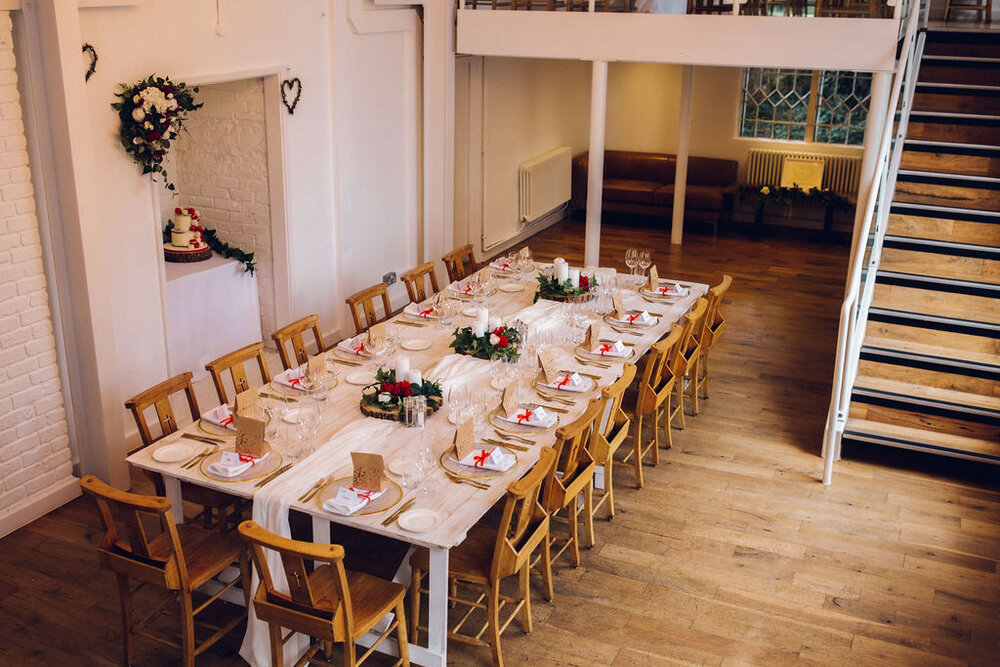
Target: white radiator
x,y
543,184
841,174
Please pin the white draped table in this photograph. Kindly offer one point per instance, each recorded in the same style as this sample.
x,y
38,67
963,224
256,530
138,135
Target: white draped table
x,y
344,429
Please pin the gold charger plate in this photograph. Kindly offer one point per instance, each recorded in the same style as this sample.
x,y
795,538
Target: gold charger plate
x,y
584,353
256,471
215,430
666,297
518,429
625,325
279,388
552,392
393,494
468,472
463,295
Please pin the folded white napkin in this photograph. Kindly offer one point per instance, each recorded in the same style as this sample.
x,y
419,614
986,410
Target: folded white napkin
x,y
673,290
349,500
567,382
616,349
292,378
231,464
502,264
634,318
355,346
220,416
425,310
462,287
492,459
532,415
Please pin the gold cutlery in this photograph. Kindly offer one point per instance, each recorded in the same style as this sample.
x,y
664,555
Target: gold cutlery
x,y
273,475
346,362
563,401
395,515
279,398
625,331
554,408
208,451
313,490
463,480
508,445
515,437
411,324
588,362
202,438
590,375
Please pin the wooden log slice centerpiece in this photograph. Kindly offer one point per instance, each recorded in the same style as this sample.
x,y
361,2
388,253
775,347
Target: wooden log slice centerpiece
x,y
383,399
550,288
394,411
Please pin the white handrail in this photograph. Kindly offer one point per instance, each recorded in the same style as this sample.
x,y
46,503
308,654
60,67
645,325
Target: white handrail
x,y
848,333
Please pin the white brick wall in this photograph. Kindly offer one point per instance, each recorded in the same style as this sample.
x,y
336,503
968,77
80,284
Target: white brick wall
x,y
34,445
221,170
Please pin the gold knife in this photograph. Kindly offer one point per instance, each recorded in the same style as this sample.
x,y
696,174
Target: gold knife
x,y
395,515
202,438
273,475
508,445
197,457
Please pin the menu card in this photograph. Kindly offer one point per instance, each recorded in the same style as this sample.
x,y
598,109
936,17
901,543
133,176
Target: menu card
x,y
593,335
547,360
376,337
618,302
316,367
654,280
465,440
367,471
508,402
249,436
248,402
524,252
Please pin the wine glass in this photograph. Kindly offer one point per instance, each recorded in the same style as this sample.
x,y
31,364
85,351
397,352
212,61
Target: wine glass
x,y
645,260
632,259
458,400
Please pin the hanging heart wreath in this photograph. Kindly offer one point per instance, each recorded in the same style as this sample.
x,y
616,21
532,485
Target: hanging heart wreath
x,y
291,91
92,66
152,113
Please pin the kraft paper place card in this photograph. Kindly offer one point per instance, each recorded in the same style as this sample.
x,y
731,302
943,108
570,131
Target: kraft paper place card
x,y
547,360
250,436
618,302
248,402
367,471
508,402
465,440
317,366
376,336
593,335
524,252
654,279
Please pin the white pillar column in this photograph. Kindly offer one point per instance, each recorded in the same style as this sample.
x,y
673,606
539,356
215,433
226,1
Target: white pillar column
x,y
438,129
683,149
878,116
595,171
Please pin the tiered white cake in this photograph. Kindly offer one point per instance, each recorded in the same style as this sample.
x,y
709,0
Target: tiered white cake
x,y
186,242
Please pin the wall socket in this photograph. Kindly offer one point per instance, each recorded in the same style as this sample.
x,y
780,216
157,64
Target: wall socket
x,y
389,278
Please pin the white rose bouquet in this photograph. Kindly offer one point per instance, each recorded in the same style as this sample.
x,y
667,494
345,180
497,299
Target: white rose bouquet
x,y
152,113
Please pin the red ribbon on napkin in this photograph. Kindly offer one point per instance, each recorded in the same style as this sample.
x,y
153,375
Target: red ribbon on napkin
x,y
468,289
295,382
525,417
480,458
359,349
245,459
426,313
505,266
605,348
664,290
632,318
227,421
564,381
364,493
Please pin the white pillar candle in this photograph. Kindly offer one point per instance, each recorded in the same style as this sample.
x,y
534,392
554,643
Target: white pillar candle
x,y
558,260
415,377
562,272
494,323
574,277
402,367
479,324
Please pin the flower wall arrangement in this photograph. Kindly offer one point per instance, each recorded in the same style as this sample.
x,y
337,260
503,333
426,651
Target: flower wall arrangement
x,y
501,343
152,114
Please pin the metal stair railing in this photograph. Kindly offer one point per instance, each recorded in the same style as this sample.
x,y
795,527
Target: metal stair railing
x,y
868,254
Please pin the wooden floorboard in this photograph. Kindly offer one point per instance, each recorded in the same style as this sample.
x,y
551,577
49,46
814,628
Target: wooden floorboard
x,y
733,553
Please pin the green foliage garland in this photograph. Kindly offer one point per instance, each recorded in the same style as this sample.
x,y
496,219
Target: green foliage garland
x,y
466,342
385,383
210,237
788,196
549,285
152,112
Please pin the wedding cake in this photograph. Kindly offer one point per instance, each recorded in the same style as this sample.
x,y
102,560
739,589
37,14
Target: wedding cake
x,y
186,242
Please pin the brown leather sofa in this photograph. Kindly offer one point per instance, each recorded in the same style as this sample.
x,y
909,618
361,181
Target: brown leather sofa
x,y
643,184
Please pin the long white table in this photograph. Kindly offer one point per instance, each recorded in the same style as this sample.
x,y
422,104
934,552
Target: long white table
x,y
344,429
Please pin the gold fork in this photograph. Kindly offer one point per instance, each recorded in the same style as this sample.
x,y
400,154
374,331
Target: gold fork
x,y
208,451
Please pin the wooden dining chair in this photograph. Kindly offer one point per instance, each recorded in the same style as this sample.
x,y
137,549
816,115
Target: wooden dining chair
x,y
572,475
686,359
984,7
653,404
216,506
711,330
180,559
293,332
460,262
235,363
365,299
612,430
416,284
490,554
327,602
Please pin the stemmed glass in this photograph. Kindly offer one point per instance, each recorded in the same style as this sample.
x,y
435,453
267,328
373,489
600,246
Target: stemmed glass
x,y
458,401
632,259
645,261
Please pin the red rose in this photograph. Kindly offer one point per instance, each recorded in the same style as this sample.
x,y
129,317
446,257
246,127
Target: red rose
x,y
499,331
503,342
178,210
584,283
159,154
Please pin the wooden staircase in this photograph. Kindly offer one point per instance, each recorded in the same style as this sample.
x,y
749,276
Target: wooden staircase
x,y
929,373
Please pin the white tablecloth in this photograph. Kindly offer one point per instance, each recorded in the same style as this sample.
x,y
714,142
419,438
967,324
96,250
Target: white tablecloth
x,y
212,309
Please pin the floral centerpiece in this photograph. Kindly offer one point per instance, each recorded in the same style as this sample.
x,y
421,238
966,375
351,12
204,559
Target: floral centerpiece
x,y
500,343
152,113
550,287
789,196
384,397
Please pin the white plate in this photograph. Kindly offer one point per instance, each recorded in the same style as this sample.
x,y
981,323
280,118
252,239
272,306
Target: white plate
x,y
360,378
416,344
403,467
173,453
292,414
511,287
457,414
419,520
470,312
